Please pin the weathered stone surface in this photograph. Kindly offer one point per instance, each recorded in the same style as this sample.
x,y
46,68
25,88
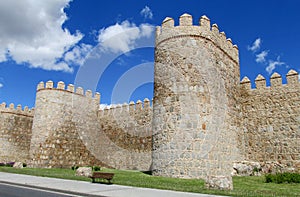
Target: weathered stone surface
x,y
66,134
15,133
219,182
84,171
128,128
276,167
194,115
250,168
270,123
59,130
246,168
18,165
272,167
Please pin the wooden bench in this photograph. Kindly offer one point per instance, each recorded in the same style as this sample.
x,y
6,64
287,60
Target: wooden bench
x,y
102,175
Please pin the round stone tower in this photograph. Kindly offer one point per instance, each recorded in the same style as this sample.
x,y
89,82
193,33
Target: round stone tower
x,y
195,88
59,126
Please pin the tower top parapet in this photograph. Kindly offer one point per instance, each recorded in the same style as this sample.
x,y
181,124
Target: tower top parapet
x,y
49,85
204,30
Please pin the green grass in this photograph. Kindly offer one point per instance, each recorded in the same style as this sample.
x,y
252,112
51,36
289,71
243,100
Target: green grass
x,y
243,186
283,178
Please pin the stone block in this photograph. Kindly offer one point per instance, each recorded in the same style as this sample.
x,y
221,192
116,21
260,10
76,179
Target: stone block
x,y
84,171
219,182
18,165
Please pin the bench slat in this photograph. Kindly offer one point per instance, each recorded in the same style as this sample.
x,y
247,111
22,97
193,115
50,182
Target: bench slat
x,y
102,175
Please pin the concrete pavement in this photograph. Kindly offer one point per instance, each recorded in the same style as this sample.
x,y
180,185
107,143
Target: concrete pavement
x,y
81,188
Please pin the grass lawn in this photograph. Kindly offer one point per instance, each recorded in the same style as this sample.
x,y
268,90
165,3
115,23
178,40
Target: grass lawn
x,y
243,186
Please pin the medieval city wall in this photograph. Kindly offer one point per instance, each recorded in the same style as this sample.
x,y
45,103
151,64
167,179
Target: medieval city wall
x,y
15,133
69,129
202,120
270,120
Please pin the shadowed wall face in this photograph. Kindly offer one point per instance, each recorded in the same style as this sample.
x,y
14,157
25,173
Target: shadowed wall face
x,y
127,136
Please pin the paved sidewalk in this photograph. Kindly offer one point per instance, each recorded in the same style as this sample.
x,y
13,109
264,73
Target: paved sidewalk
x,y
81,188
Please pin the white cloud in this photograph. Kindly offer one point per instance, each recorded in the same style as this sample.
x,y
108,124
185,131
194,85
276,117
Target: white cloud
x,y
146,30
146,12
261,57
1,85
255,46
272,65
106,106
31,32
78,54
103,106
2,54
122,37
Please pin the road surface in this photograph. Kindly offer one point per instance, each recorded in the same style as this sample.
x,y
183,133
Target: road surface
x,y
7,190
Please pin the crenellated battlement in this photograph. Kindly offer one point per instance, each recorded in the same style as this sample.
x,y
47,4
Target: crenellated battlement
x,y
204,31
139,106
275,81
49,85
11,109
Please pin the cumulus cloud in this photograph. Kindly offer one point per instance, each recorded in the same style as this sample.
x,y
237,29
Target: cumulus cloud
x,y
31,32
272,65
78,54
122,37
255,46
146,12
3,53
261,57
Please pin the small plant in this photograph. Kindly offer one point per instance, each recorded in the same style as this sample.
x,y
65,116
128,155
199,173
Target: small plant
x,y
96,168
10,164
255,169
283,178
75,167
2,164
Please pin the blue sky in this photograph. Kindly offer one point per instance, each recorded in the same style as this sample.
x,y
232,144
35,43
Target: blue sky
x,y
52,40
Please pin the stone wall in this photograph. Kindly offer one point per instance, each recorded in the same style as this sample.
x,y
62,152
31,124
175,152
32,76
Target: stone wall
x,y
15,133
127,136
270,120
69,129
195,91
